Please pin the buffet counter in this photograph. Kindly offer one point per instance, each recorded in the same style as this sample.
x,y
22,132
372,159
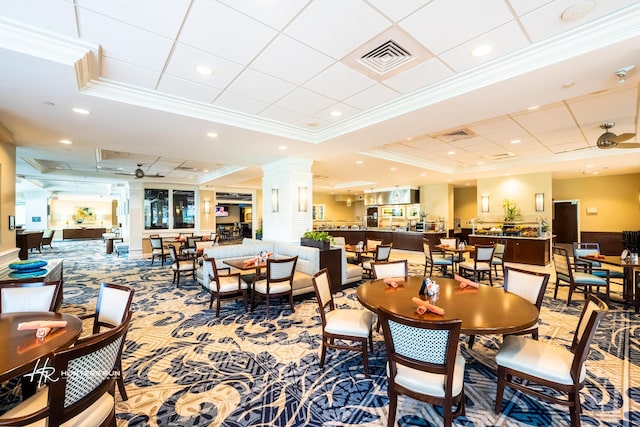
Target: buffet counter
x,y
518,249
407,240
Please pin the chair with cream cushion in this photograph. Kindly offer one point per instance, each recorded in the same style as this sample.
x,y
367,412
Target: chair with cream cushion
x,y
224,285
342,324
385,269
158,250
525,364
565,272
21,297
498,257
84,393
278,283
480,264
182,264
112,308
382,253
424,363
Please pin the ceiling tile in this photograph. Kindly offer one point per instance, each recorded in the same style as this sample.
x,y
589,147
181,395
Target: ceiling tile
x,y
375,95
282,114
344,109
57,16
305,101
339,82
232,101
129,73
187,89
262,87
422,75
291,61
218,29
398,10
274,13
185,59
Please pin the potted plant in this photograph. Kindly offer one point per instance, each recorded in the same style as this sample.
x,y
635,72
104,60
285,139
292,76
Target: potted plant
x,y
316,239
511,211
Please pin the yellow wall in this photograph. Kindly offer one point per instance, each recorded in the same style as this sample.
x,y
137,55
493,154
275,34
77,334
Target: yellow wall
x,y
465,205
7,195
334,211
617,199
520,189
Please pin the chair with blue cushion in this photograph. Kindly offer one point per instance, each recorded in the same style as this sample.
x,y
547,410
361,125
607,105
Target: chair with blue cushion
x,y
575,279
498,256
582,250
433,259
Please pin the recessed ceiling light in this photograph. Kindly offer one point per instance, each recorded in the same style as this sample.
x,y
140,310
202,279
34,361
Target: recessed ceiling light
x,y
577,10
515,141
451,153
393,169
282,147
423,174
204,70
212,134
359,162
66,141
480,163
336,113
588,166
409,138
567,85
205,170
482,50
313,124
533,107
81,111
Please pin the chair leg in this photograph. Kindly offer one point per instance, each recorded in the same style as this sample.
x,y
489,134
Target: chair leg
x,y
293,310
365,357
323,352
393,405
574,409
472,339
425,268
500,389
120,381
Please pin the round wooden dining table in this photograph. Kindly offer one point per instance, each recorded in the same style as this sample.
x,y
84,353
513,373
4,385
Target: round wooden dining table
x,y
21,351
483,311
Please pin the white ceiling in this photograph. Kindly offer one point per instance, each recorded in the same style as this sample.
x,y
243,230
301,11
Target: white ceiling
x,y
281,67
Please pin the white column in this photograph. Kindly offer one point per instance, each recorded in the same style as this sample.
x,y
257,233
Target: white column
x,y
135,219
287,183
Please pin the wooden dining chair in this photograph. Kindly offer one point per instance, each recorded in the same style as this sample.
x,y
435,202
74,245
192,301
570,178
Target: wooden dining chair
x,y
158,250
382,254
431,259
567,276
342,324
525,364
424,363
278,283
85,389
384,269
112,308
20,297
583,249
183,264
480,264
224,286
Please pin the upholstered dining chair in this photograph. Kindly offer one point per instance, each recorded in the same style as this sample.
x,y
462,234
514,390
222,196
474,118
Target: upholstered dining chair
x,y
383,269
112,308
158,250
182,265
278,283
567,276
381,254
222,286
423,363
498,258
342,324
583,249
480,264
47,237
84,392
525,364
431,259
189,247
21,297
530,285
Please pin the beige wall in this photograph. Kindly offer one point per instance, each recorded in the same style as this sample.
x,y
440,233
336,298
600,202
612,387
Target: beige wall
x,y
63,211
465,205
617,199
335,211
7,195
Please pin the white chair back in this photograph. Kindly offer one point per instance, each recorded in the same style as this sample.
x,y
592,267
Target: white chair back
x,y
383,252
339,241
202,244
484,254
529,285
114,303
323,290
280,270
373,244
20,298
382,270
452,243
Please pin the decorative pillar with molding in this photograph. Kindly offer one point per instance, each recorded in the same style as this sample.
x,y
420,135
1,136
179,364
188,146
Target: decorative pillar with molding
x,y
136,219
287,199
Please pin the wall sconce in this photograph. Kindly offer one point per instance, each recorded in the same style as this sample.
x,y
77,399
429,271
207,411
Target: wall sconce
x,y
302,198
539,202
484,204
207,207
275,202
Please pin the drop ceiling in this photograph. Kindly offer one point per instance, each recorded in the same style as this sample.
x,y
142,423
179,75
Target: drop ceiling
x,y
377,93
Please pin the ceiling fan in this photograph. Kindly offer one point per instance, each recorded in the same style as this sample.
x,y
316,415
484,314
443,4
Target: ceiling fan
x,y
611,140
139,173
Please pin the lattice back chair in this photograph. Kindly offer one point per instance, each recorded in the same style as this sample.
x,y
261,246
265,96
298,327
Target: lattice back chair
x,y
183,264
21,297
566,276
384,269
584,249
480,264
342,324
498,257
158,250
382,254
550,365
84,391
278,283
224,286
112,308
424,363
432,259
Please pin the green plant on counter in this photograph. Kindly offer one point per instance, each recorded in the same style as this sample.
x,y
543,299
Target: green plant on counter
x,y
544,225
322,236
511,212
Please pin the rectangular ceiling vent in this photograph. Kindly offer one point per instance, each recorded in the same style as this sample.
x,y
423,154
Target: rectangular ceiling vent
x,y
454,135
386,57
500,156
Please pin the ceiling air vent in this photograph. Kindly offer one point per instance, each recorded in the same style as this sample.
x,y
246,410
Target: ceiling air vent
x,y
454,135
499,156
386,57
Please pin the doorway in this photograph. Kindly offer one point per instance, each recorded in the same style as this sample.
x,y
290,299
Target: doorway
x,y
565,221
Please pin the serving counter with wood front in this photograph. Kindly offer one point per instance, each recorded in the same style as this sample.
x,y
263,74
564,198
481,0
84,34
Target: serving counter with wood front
x,y
83,233
521,250
407,240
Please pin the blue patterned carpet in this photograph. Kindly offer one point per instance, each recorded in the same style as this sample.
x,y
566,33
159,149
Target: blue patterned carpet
x,y
184,367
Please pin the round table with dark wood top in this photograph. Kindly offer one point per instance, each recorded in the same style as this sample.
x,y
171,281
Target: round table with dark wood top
x,y
483,311
22,350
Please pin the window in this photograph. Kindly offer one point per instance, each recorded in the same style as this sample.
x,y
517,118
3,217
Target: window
x,y
184,209
156,209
